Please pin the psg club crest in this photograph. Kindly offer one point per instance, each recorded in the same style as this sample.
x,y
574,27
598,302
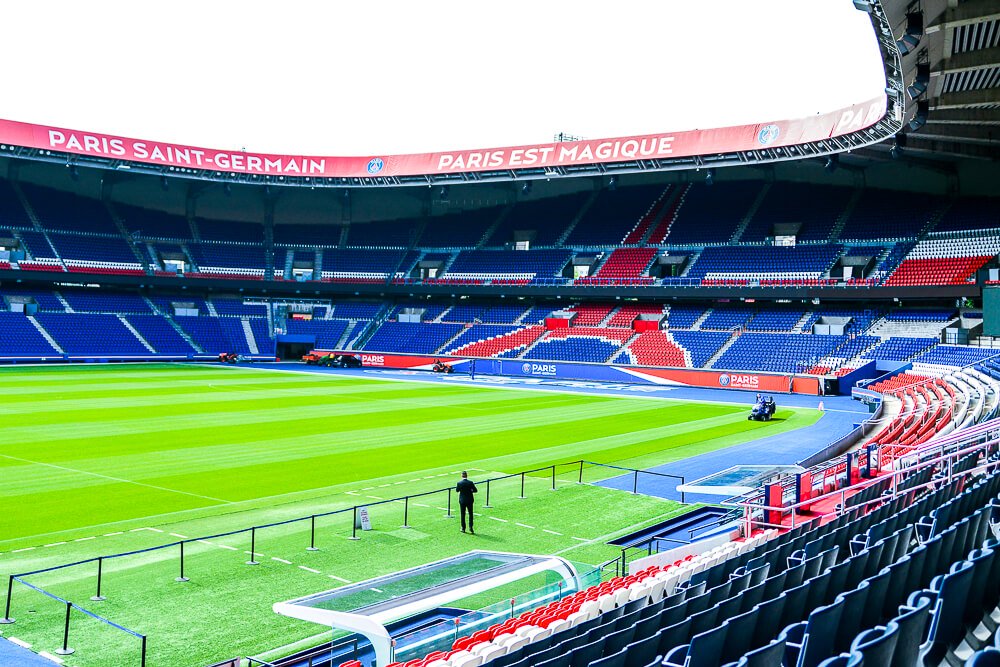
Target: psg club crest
x,y
375,165
724,379
526,369
768,134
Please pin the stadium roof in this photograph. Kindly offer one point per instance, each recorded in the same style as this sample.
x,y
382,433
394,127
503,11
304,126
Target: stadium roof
x,y
957,57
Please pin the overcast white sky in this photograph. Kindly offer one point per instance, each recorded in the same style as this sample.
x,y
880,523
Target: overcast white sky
x,y
402,76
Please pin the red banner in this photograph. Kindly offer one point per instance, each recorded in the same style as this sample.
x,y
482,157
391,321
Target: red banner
x,y
675,144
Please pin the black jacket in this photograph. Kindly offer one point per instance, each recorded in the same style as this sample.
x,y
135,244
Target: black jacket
x,y
465,488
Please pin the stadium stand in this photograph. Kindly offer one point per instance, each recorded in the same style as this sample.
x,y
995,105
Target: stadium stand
x,y
624,266
711,213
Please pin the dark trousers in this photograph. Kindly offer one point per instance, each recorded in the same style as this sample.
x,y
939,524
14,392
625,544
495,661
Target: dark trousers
x,y
463,509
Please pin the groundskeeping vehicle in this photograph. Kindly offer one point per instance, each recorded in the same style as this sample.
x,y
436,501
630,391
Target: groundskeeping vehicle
x,y
763,410
332,360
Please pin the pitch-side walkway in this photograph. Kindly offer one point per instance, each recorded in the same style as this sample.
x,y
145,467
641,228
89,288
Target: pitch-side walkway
x,y
12,654
840,416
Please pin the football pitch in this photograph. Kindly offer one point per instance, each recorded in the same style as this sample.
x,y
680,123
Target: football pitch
x,y
108,459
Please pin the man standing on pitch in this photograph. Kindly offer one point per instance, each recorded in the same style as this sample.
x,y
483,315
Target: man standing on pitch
x,y
465,489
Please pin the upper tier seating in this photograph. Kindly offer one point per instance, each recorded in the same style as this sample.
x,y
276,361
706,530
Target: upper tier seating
x,y
499,265
237,308
382,233
46,299
37,245
94,250
215,335
796,263
326,235
711,213
149,224
458,230
970,213
813,208
360,265
411,337
57,209
625,266
326,333
947,260
477,333
728,317
613,215
228,259
12,213
86,334
775,320
230,230
20,338
889,215
546,218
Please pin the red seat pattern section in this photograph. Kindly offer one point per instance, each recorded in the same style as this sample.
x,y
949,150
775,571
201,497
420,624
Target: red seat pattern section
x,y
627,264
588,315
620,335
936,271
627,314
500,344
655,348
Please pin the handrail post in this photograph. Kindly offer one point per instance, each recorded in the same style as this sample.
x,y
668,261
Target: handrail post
x,y
97,597
312,534
487,505
635,482
580,480
553,477
142,658
522,486
182,578
7,620
66,650
449,514
253,546
406,512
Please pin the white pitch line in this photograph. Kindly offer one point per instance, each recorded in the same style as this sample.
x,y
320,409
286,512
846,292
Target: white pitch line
x,y
211,544
375,497
19,642
377,590
308,569
281,560
84,539
580,539
496,519
346,581
550,532
183,537
54,544
113,534
225,546
367,488
523,525
17,551
155,530
420,505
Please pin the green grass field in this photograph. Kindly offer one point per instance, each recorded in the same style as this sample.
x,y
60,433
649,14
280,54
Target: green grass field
x,y
102,460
